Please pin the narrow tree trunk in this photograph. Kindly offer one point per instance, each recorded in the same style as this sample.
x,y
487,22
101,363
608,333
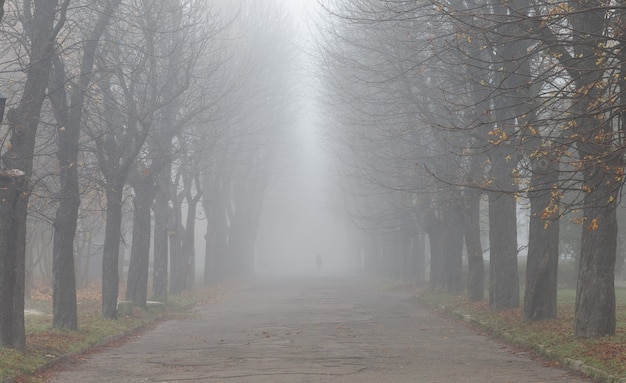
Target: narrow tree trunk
x,y
437,254
177,261
160,267
475,262
188,247
419,256
111,251
138,268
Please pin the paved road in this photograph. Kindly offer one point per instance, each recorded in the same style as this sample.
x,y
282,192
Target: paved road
x,y
321,329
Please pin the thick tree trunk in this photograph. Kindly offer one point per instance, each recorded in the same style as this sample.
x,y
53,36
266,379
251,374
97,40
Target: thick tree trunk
x,y
23,123
65,311
111,251
160,267
437,255
138,268
475,262
543,244
453,248
595,291
503,275
12,262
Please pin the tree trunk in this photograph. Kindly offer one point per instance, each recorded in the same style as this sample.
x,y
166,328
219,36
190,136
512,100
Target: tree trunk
x,y
111,251
543,243
188,247
65,311
69,118
12,262
160,269
503,275
453,247
23,123
419,255
595,291
138,268
475,262
177,261
437,253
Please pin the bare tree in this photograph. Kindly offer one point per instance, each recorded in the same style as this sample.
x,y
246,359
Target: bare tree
x,y
17,161
132,94
236,174
68,110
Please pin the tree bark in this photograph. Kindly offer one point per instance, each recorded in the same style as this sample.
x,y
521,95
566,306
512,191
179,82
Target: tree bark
x,y
437,254
475,262
177,261
419,256
160,268
23,123
453,247
595,292
138,268
111,251
69,118
543,243
503,275
13,193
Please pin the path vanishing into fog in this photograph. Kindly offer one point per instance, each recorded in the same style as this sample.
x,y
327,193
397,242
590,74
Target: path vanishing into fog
x,y
315,329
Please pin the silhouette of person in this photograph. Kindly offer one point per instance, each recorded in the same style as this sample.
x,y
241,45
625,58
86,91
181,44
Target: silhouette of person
x,y
318,261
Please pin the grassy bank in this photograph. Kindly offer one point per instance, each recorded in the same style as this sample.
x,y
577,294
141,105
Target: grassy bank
x,y
45,345
603,358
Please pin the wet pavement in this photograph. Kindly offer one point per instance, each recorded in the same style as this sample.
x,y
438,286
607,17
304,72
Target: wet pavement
x,y
314,329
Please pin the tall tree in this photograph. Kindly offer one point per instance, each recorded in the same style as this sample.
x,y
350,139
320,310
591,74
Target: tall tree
x,y
17,161
187,43
68,110
131,94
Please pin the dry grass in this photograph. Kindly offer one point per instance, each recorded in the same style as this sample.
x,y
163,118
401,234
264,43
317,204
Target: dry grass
x,y
554,338
46,345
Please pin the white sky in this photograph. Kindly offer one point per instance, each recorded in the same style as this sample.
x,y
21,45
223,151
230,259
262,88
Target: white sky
x,y
297,221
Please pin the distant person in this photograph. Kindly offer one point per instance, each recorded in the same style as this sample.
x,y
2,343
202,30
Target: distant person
x,y
318,261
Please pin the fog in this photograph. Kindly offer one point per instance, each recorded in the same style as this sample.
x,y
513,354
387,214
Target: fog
x,y
298,221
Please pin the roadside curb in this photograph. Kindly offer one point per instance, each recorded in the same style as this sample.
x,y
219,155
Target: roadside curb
x,y
598,375
101,343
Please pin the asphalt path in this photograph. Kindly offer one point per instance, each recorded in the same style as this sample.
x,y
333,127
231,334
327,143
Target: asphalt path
x,y
313,329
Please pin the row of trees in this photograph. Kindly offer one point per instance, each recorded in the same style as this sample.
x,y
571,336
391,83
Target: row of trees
x,y
142,109
439,105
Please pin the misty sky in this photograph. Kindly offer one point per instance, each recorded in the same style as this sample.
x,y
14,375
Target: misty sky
x,y
297,221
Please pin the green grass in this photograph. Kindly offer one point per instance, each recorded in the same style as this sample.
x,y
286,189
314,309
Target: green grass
x,y
46,345
552,338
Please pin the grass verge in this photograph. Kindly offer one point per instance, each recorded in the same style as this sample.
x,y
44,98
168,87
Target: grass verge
x,y
46,346
603,359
